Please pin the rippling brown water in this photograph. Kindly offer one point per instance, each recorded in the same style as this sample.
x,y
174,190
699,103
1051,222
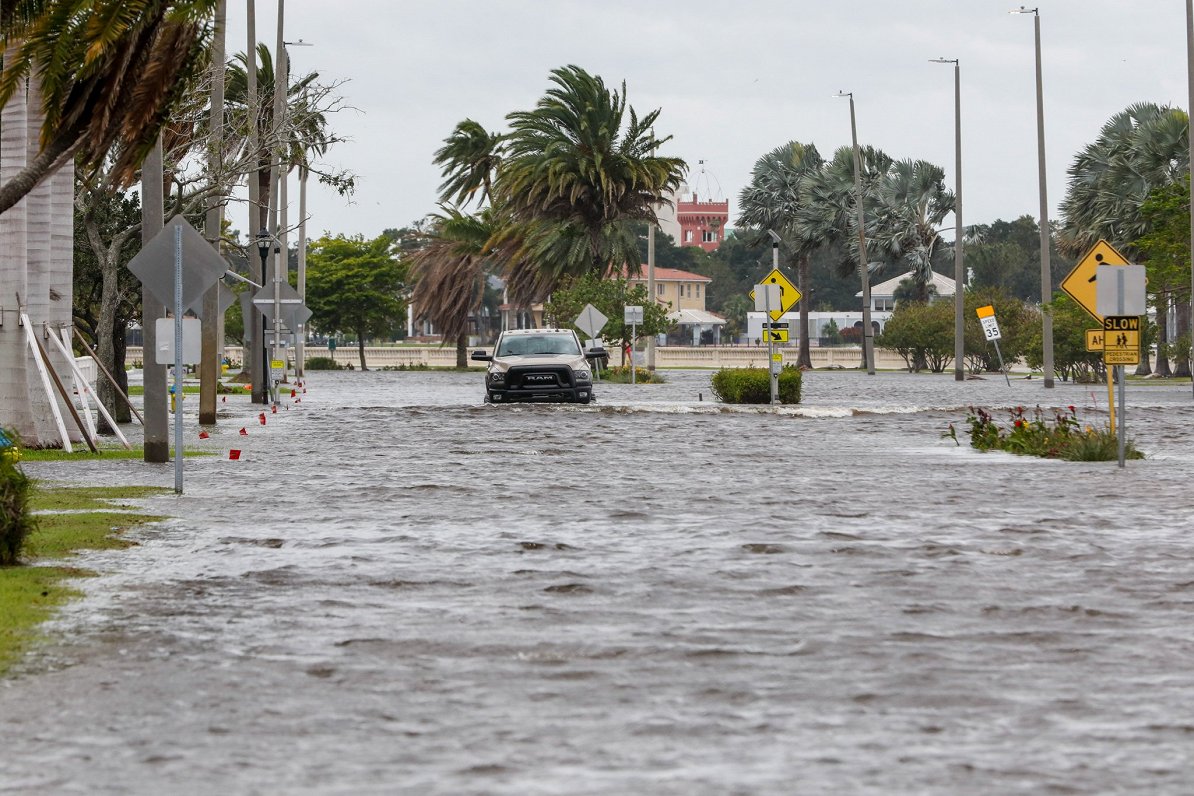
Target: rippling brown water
x,y
404,591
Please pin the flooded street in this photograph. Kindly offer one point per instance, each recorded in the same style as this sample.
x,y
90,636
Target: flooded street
x,y
402,590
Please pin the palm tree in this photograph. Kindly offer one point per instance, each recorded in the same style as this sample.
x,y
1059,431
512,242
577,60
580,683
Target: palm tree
x,y
450,273
827,210
469,158
771,202
307,131
1139,150
913,201
576,170
111,72
15,412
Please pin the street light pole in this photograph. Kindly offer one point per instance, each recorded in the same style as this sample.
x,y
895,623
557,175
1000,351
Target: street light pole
x,y
1190,90
254,357
263,246
1046,278
868,333
959,266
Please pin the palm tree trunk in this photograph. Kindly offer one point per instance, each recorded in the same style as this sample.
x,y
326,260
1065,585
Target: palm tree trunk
x,y
37,265
1162,368
805,358
14,391
1182,354
62,248
462,351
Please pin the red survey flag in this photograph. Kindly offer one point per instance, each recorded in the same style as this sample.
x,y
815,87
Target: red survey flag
x,y
203,435
233,454
244,432
261,418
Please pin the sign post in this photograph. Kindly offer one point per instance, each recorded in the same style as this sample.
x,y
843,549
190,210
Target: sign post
x,y
1121,290
633,315
986,316
591,321
775,295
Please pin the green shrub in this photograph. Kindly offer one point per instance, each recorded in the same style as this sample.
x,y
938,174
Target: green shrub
x,y
753,385
322,363
15,519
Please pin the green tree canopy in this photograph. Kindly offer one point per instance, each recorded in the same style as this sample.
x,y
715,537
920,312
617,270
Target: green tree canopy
x,y
356,285
610,297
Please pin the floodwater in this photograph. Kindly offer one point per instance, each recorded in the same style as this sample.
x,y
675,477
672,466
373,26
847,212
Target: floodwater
x,y
402,590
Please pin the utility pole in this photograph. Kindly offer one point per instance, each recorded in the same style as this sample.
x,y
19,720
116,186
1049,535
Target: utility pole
x,y
157,437
212,357
959,267
868,332
255,354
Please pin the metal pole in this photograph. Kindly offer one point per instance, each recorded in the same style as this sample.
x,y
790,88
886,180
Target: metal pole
x,y
651,291
772,375
1046,238
633,337
1121,371
868,333
255,356
278,194
178,359
1190,106
300,355
959,266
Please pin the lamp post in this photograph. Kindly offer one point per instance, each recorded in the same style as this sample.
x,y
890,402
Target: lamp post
x,y
868,333
263,245
1190,90
1046,278
959,266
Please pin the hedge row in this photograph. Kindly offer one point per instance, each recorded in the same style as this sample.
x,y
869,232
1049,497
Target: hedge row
x,y
753,385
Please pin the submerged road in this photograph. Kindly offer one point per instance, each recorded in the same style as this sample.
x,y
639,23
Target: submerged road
x,y
402,590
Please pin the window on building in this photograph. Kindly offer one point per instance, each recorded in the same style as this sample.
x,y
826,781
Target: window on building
x,y
688,236
698,291
659,288
689,290
708,236
884,303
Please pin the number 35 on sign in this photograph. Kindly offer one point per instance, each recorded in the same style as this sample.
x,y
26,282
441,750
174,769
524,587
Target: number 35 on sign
x,y
986,316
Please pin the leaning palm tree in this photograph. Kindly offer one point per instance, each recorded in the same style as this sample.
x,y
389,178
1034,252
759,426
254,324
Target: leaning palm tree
x,y
771,202
111,73
450,273
577,169
469,158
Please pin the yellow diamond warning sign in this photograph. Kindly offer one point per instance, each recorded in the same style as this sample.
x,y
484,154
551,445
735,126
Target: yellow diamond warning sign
x,y
1079,283
788,294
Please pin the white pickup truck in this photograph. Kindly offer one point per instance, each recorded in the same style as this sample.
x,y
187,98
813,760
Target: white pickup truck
x,y
539,365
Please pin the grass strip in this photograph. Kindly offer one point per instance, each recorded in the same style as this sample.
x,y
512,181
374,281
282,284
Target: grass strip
x,y
29,595
81,453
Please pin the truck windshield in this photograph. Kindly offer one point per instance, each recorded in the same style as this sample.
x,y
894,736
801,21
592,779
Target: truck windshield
x,y
530,345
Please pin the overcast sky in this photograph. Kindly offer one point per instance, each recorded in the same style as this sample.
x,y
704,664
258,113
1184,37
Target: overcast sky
x,y
733,80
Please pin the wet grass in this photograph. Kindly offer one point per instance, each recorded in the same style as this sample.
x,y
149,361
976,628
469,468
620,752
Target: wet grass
x,y
81,453
29,592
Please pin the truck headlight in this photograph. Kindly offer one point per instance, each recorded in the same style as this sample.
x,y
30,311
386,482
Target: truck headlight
x,y
497,375
583,375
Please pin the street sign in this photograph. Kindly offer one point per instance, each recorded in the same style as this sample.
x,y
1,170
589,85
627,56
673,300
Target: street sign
x,y
1121,339
633,314
1094,339
277,369
192,346
788,294
202,266
1120,290
986,316
225,298
767,297
264,299
1079,284
590,321
775,335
